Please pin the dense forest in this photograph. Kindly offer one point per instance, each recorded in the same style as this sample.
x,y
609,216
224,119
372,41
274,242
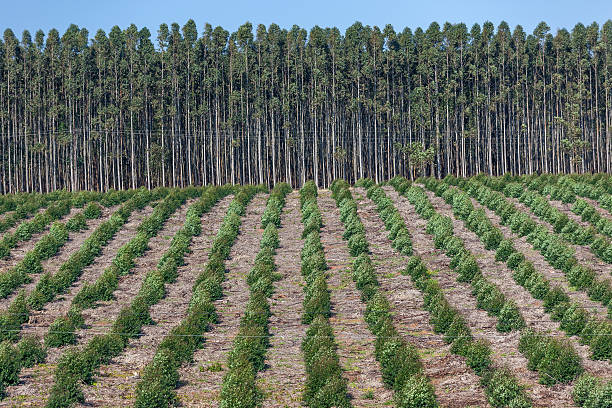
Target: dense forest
x,y
267,104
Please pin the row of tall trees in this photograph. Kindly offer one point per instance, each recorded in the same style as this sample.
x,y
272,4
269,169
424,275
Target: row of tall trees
x,y
266,104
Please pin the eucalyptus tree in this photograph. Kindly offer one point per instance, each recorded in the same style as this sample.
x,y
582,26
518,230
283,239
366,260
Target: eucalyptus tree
x,y
267,104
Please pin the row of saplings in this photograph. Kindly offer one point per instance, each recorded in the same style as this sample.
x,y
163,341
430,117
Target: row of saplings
x,y
29,349
63,330
400,364
325,386
44,249
574,319
59,204
559,255
160,376
565,189
569,229
597,187
79,366
501,387
247,356
556,360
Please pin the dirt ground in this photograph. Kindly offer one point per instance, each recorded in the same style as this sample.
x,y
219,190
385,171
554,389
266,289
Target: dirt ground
x,y
200,381
284,376
455,383
355,341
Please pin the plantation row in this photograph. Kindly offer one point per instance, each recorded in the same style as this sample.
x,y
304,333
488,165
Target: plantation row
x,y
556,345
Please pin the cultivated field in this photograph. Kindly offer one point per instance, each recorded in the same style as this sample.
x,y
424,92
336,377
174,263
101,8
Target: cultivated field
x,y
481,292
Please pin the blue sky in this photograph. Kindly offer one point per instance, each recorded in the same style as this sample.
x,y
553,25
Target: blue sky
x,y
95,14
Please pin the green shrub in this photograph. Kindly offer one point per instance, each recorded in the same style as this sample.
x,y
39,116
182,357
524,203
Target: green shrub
x,y
467,268
92,211
583,388
510,318
478,356
503,390
554,359
358,244
76,223
9,365
270,237
574,320
504,250
30,351
492,238
555,296
417,392
61,332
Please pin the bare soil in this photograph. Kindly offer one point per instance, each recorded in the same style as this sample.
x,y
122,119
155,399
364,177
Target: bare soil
x,y
117,381
583,253
483,326
284,376
355,341
201,381
456,385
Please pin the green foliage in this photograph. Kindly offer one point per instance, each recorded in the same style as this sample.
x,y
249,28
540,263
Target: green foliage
x,y
503,390
590,392
80,366
417,392
510,318
504,250
555,359
61,332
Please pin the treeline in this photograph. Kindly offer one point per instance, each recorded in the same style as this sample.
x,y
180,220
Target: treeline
x,y
266,104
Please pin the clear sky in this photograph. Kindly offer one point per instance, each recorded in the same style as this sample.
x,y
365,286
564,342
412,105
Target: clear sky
x,y
230,14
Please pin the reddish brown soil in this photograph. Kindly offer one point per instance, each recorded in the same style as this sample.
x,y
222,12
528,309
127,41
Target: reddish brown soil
x,y
201,385
38,380
23,247
455,383
355,341
532,309
284,376
117,381
483,326
583,253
